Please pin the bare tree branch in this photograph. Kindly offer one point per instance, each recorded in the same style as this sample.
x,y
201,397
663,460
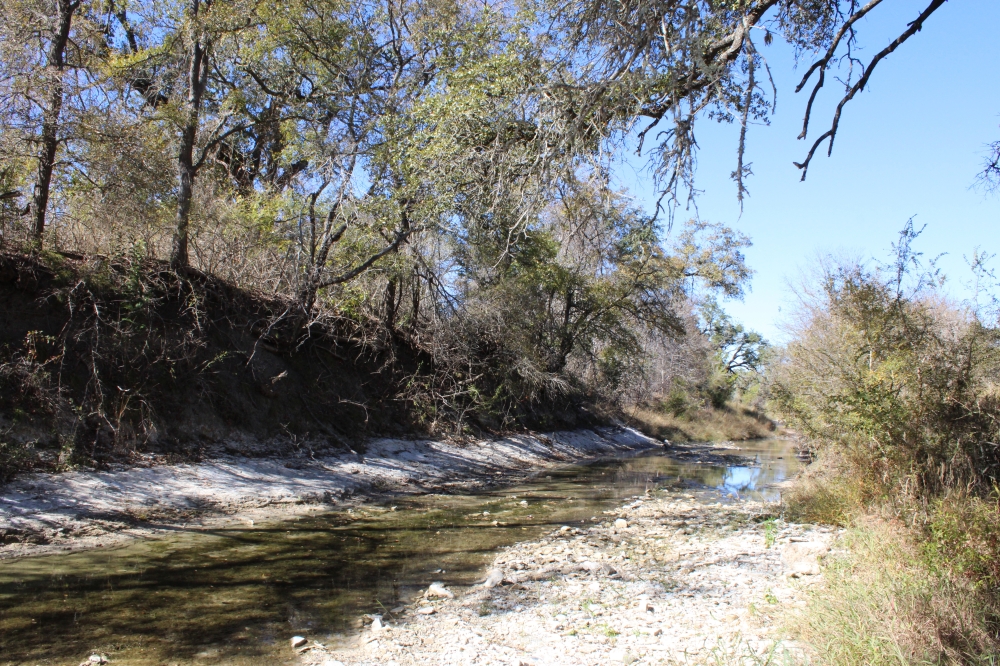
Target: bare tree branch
x,y
831,133
824,62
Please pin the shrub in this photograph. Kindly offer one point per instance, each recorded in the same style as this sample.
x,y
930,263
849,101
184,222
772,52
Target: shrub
x,y
900,382
965,538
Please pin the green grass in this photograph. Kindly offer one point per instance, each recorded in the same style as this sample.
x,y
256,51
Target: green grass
x,y
770,532
883,603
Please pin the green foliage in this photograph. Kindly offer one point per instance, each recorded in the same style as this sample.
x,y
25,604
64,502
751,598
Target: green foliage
x,y
901,382
897,386
965,538
15,457
770,532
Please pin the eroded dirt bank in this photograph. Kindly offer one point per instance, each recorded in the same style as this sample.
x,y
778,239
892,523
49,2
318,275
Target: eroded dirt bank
x,y
47,513
663,580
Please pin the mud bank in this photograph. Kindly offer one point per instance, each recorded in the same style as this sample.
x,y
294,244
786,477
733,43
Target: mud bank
x,y
48,513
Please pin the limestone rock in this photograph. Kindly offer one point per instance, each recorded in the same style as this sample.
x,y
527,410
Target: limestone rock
x,y
439,591
801,558
493,578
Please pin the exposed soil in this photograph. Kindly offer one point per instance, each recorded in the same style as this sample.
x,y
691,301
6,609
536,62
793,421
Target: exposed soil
x,y
106,362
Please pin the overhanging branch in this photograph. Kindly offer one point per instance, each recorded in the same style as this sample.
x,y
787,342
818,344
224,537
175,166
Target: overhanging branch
x,y
831,133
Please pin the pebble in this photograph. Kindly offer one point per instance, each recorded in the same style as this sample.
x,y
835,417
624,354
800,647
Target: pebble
x,y
601,595
297,642
440,591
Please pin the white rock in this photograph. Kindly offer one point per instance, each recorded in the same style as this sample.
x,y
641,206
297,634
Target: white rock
x,y
377,623
298,641
801,558
440,591
493,578
426,610
97,659
621,524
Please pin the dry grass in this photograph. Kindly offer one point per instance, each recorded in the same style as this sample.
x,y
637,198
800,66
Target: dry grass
x,y
730,423
883,603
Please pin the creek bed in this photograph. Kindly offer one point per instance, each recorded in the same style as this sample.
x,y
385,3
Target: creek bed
x,y
236,595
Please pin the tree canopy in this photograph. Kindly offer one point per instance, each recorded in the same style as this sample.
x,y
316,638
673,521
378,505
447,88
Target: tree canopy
x,y
410,163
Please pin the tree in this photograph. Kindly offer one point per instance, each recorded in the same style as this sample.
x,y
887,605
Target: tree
x,y
35,41
671,63
180,63
198,46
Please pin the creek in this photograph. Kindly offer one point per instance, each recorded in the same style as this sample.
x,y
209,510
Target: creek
x,y
236,595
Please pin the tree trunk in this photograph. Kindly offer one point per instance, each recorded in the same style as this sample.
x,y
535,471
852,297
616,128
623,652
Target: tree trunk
x,y
186,168
391,306
50,119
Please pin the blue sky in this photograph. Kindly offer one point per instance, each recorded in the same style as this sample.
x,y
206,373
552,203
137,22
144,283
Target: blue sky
x,y
910,145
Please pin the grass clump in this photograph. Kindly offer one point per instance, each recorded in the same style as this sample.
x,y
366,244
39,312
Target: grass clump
x,y
731,422
885,602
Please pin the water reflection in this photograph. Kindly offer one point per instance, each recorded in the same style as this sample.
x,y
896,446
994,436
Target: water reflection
x,y
234,595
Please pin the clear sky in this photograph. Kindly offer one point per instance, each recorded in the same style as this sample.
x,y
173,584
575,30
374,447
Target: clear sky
x,y
910,145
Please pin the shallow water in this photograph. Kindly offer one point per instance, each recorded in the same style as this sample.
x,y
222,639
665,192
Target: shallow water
x,y
235,595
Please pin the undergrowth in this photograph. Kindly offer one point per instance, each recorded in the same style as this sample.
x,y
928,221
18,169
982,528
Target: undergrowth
x,y
731,422
885,599
897,388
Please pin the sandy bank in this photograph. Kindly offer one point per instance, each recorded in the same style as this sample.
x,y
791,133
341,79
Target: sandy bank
x,y
47,513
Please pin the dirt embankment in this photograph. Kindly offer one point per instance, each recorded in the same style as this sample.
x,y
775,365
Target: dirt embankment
x,y
45,513
120,361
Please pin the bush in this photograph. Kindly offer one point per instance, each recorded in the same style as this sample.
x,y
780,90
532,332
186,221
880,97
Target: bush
x,y
897,387
15,457
901,383
965,538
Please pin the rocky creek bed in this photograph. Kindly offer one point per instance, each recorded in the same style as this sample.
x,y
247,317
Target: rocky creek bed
x,y
53,513
653,553
665,579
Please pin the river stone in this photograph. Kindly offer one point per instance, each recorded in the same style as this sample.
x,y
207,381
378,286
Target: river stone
x,y
440,591
493,578
621,524
802,558
426,610
297,642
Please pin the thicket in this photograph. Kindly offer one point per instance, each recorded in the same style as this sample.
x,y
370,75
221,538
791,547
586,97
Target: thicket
x,y
900,387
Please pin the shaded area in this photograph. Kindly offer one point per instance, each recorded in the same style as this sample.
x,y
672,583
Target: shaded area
x,y
236,595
